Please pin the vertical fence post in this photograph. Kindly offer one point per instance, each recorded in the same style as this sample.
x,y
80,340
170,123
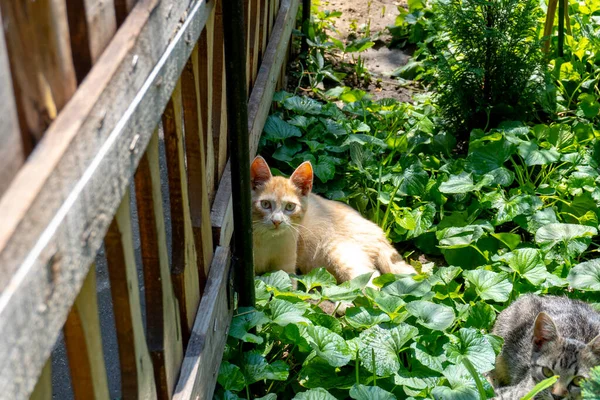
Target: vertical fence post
x,y
561,27
237,120
305,25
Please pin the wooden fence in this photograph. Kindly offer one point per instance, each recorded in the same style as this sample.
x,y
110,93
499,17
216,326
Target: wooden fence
x,y
86,86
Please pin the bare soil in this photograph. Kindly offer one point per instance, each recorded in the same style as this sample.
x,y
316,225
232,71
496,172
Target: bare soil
x,y
381,61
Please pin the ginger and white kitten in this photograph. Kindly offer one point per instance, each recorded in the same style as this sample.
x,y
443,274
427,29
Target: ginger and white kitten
x,y
294,228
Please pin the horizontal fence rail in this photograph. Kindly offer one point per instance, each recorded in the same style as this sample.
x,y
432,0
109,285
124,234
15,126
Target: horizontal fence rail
x,y
143,91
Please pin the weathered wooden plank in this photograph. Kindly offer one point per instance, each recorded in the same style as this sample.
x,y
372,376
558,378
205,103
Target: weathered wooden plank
x,y
205,67
92,24
137,374
219,120
12,153
84,344
37,36
43,387
262,94
253,40
59,206
184,268
221,215
196,166
162,309
122,9
263,30
200,366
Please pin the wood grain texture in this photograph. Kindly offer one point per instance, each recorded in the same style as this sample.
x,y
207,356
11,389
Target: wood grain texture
x,y
162,308
37,36
221,215
205,71
184,268
253,40
84,344
43,387
63,199
12,153
196,166
137,374
270,69
219,120
200,366
263,30
122,10
92,24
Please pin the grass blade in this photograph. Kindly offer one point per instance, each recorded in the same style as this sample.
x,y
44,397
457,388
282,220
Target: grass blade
x,y
545,384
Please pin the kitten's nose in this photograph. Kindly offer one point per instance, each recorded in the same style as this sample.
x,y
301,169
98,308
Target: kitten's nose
x,y
276,223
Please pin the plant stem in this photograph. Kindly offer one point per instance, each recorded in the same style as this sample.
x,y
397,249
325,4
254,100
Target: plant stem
x,y
475,376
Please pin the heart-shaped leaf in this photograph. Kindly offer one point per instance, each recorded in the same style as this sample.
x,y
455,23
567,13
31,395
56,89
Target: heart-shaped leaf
x,y
586,275
362,392
471,344
379,348
407,287
242,323
277,129
231,377
316,278
489,285
437,317
256,368
329,346
283,312
528,263
314,394
362,318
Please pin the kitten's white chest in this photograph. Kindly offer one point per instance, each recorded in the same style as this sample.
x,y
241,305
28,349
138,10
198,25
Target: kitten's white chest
x,y
274,252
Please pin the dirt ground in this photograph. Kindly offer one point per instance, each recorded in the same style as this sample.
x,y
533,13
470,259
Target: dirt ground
x,y
380,60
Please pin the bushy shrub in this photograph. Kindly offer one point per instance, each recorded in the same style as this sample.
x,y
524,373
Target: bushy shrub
x,y
488,62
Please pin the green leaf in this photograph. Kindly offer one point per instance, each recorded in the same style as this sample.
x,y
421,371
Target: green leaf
x,y
318,373
383,345
386,302
277,280
362,392
571,239
433,316
543,385
462,183
314,394
471,344
412,181
489,285
283,312
242,323
324,169
302,105
407,287
528,263
329,346
277,129
433,362
456,238
362,318
231,377
363,139
481,316
533,155
348,290
255,368
458,393
511,240
293,334
318,277
423,217
586,275
287,152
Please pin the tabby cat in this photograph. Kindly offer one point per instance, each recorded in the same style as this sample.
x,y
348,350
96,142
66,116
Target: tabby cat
x,y
543,337
294,228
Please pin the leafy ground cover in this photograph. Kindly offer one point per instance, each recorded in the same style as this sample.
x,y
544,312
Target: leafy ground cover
x,y
512,210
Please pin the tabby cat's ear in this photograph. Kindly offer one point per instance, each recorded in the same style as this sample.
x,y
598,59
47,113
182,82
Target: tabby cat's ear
x,y
544,330
302,177
594,346
259,172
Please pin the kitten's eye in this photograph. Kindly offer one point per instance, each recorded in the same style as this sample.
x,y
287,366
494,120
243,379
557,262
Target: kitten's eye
x,y
265,204
577,381
547,372
290,207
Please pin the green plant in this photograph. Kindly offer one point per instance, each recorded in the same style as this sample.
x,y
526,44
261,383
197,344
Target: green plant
x,y
488,62
591,387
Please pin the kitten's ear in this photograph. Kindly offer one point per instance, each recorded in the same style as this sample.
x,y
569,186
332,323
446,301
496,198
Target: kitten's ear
x,y
302,177
594,346
259,172
544,330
